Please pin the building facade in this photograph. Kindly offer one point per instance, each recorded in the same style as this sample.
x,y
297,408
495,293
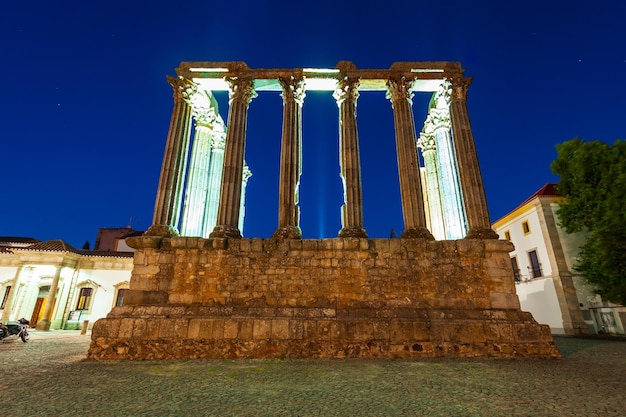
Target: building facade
x,y
543,263
86,283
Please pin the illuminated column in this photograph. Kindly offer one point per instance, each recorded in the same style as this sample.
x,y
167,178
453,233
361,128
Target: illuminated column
x,y
216,164
346,95
399,92
44,323
478,221
242,207
196,189
432,195
169,194
453,210
241,93
290,159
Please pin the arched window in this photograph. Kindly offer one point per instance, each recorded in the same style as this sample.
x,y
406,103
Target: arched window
x,y
84,298
120,291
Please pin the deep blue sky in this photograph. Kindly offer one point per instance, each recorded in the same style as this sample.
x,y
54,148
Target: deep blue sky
x,y
85,105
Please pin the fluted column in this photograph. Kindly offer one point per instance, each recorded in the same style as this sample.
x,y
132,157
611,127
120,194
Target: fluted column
x,y
399,92
216,165
475,202
169,195
44,323
241,92
290,159
433,192
196,189
346,95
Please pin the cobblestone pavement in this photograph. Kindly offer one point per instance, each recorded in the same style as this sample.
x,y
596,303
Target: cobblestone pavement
x,y
49,377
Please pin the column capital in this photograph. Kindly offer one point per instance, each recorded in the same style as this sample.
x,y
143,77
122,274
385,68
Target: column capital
x,y
400,89
183,88
218,139
240,89
438,119
293,89
246,174
459,87
347,89
202,109
426,141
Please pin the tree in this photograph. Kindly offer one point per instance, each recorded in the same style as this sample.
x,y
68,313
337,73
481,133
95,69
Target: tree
x,y
593,182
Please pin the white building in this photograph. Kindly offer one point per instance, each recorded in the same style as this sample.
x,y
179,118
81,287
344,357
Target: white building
x,y
543,262
86,283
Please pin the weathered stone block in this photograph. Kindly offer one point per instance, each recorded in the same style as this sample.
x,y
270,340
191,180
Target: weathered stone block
x,y
262,329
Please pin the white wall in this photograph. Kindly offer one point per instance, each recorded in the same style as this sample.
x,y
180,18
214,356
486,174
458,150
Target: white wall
x,y
538,297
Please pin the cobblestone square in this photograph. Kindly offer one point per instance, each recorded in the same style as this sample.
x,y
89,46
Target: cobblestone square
x,y
49,376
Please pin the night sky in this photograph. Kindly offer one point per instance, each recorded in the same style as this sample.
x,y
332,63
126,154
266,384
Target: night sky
x,y
85,105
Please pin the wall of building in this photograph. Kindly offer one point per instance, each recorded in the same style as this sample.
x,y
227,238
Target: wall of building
x,y
538,296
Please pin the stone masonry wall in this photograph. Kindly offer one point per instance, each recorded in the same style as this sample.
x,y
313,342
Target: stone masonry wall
x,y
216,298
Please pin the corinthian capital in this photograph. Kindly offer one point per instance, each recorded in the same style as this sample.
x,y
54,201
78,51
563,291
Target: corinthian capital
x,y
441,97
240,89
347,89
459,87
440,118
293,89
183,88
399,89
426,141
202,108
218,139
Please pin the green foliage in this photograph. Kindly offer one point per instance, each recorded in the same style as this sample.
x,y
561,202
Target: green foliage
x,y
593,180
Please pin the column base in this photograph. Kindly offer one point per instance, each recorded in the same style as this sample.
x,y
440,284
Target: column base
x,y
481,233
287,232
224,231
417,233
43,325
164,230
352,232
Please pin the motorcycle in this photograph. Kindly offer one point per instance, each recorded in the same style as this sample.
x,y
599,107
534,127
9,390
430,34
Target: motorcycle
x,y
19,328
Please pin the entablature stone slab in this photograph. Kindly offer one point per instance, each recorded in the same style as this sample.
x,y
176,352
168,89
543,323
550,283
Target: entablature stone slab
x,y
428,76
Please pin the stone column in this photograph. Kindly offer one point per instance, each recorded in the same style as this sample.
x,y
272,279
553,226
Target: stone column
x,y
453,210
290,159
169,195
196,190
216,165
6,312
475,202
346,95
399,92
437,223
242,206
44,323
241,93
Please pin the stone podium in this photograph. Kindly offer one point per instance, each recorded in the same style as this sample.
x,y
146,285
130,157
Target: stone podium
x,y
219,295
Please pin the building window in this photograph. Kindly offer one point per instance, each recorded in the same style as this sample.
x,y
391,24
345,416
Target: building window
x,y
6,297
525,228
83,298
119,301
507,235
516,274
535,266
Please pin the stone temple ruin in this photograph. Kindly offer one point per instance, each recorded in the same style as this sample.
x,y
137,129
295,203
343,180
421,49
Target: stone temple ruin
x,y
200,290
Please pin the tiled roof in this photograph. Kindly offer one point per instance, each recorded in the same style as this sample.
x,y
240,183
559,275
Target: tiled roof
x,y
61,246
548,190
53,245
17,239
